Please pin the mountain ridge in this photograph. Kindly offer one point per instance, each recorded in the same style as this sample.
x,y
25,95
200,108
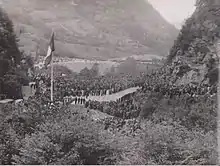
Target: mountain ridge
x,y
91,28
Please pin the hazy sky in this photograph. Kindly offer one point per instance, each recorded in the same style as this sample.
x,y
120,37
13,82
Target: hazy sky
x,y
174,11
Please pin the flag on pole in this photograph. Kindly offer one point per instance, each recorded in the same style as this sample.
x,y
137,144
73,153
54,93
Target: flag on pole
x,y
51,48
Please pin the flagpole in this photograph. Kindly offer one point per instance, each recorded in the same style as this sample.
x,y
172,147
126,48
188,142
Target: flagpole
x,y
52,79
51,83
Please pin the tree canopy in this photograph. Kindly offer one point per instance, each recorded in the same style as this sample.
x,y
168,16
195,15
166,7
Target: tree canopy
x,y
199,32
10,57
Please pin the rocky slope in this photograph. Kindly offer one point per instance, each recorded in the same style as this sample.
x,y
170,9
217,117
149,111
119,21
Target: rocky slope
x,y
195,54
91,28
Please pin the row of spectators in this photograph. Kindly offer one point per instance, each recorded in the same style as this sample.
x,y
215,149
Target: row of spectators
x,y
174,91
125,109
82,86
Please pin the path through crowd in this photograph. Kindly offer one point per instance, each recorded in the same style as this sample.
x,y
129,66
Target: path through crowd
x,y
111,97
114,96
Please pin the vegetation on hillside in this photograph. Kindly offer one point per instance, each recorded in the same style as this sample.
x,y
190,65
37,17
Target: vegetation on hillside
x,y
181,129
13,73
176,132
37,134
200,32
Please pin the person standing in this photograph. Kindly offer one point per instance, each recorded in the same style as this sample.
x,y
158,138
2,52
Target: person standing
x,y
76,100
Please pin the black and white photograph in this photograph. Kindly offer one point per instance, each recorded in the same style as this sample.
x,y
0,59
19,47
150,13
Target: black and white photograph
x,y
109,82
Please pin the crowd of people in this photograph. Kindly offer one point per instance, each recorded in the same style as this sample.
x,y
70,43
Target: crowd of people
x,y
125,109
125,112
162,84
77,89
157,82
84,86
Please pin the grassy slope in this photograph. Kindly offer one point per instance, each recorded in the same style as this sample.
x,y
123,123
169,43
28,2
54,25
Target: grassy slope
x,y
89,29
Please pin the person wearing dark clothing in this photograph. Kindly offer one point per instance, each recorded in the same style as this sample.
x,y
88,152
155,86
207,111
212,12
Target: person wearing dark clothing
x,y
78,102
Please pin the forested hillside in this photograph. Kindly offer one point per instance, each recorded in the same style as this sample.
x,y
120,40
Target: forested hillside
x,y
195,53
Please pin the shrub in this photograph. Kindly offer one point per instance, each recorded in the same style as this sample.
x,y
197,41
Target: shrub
x,y
173,144
67,138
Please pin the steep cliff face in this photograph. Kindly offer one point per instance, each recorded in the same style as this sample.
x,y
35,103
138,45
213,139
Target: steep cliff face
x,y
92,28
195,54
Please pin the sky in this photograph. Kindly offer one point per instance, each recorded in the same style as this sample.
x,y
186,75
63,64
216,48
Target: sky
x,y
174,11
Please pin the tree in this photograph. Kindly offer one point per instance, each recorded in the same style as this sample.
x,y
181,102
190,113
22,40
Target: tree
x,y
8,47
12,86
202,3
10,55
112,70
128,67
213,76
85,72
200,30
94,70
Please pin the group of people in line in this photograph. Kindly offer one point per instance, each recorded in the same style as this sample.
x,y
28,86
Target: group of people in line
x,y
76,100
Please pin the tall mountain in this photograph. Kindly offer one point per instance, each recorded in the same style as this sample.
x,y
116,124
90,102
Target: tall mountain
x,y
91,28
195,54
